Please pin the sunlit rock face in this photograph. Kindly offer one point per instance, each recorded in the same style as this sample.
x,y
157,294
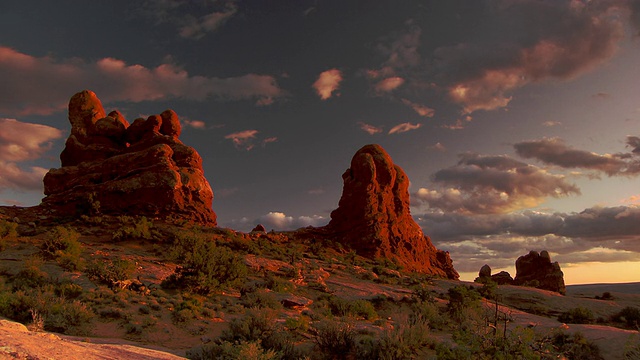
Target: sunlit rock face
x,y
137,169
536,269
374,219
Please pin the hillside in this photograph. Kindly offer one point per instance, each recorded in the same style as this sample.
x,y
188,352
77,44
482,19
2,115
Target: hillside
x,y
281,294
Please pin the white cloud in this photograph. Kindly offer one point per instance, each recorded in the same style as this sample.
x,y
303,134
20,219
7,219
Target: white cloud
x,y
422,110
33,85
404,127
280,221
328,82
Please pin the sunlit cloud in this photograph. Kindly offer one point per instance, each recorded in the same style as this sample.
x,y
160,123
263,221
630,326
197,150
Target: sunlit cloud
x,y
389,84
278,221
269,140
196,124
438,147
369,129
404,127
422,110
243,139
41,85
481,184
327,83
196,28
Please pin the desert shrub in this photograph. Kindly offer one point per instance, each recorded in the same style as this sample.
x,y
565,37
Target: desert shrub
x,y
138,228
133,329
423,293
335,339
61,243
431,313
632,348
279,285
110,271
364,308
578,315
68,290
575,346
232,351
205,267
630,316
7,230
31,276
255,325
605,296
406,340
260,298
460,299
300,323
67,317
111,313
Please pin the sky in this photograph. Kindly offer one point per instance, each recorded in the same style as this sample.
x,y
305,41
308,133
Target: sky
x,y
517,121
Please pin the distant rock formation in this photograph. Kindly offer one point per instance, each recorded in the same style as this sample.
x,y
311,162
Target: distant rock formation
x,y
536,269
141,169
501,278
259,228
373,216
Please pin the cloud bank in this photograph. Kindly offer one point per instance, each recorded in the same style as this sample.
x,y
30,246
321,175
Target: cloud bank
x,y
41,85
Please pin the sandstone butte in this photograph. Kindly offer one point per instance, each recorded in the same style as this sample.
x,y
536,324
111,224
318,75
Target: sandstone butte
x,y
374,219
117,168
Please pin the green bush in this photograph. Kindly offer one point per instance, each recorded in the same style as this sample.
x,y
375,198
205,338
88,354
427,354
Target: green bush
x,y
110,271
365,309
405,341
461,298
630,316
260,298
232,351
139,228
8,230
335,339
61,243
205,267
577,315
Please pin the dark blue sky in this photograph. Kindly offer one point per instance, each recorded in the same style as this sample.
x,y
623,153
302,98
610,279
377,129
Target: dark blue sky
x,y
516,121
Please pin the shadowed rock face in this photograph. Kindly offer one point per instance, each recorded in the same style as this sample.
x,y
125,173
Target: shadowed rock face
x,y
373,216
141,169
537,269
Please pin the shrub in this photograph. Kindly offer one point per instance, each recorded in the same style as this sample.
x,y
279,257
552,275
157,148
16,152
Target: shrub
x,y
300,323
461,298
335,339
139,228
630,316
62,244
364,309
7,230
205,266
261,298
405,341
577,315
110,271
232,351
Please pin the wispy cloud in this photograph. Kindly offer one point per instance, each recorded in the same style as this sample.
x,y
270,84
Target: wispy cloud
x,y
243,139
422,110
369,129
551,123
196,124
327,83
33,85
196,28
404,127
389,84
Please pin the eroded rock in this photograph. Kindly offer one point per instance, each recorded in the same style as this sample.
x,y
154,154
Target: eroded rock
x,y
536,269
374,219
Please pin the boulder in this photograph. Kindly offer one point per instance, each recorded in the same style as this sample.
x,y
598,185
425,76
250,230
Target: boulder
x,y
127,169
259,228
502,278
374,219
536,269
485,271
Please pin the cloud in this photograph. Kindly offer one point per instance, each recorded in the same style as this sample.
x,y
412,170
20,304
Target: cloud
x,y
196,124
196,28
602,234
42,85
269,140
554,151
438,147
492,184
551,123
389,84
370,129
566,42
404,127
278,221
458,125
243,139
19,142
328,82
422,110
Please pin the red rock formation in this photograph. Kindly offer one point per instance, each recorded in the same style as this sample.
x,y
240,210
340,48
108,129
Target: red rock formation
x,y
373,216
142,169
537,270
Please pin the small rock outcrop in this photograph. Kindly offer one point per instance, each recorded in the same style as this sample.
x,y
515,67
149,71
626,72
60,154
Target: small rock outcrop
x,y
536,269
501,278
373,216
117,168
259,229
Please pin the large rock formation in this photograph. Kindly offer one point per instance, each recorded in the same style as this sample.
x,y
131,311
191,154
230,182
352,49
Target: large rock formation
x,y
536,269
141,169
373,216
